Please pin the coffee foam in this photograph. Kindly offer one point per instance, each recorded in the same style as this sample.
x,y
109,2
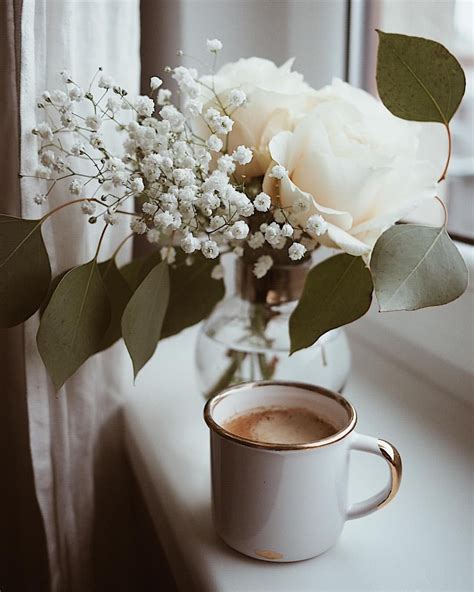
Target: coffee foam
x,y
280,425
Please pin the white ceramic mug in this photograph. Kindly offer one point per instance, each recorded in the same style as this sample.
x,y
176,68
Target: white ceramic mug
x,y
280,502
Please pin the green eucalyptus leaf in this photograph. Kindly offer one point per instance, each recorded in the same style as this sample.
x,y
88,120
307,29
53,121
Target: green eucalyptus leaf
x,y
52,287
143,316
25,272
136,271
416,266
418,79
336,292
119,293
193,294
74,322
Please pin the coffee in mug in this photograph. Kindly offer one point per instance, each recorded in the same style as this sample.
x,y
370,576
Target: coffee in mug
x,y
280,455
280,425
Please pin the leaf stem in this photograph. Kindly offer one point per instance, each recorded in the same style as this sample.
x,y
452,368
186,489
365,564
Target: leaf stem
x,y
445,223
121,245
450,145
100,242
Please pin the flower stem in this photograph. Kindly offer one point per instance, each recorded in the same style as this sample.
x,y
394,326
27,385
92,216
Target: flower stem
x,y
450,145
69,203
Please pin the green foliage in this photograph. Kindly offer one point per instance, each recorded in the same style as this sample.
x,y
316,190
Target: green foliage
x,y
336,292
119,293
418,79
417,266
74,322
25,272
144,314
193,294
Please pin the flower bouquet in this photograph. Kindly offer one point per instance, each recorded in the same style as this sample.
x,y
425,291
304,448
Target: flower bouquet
x,y
251,161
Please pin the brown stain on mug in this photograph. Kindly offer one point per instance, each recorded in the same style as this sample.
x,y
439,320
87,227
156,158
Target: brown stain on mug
x,y
267,554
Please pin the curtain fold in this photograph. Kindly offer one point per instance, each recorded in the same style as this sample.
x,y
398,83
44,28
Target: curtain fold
x,y
23,541
80,472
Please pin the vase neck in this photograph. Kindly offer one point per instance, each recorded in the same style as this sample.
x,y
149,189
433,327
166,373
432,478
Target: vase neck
x,y
282,283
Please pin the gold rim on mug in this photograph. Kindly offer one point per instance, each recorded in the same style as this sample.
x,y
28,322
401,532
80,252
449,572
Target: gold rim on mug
x,y
213,425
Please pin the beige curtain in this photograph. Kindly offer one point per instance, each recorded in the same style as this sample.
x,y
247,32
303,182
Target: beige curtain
x,y
22,540
66,486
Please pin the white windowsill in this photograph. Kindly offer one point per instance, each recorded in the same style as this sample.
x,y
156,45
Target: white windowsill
x,y
435,343
421,541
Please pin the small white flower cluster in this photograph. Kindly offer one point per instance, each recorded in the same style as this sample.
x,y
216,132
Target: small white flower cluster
x,y
193,189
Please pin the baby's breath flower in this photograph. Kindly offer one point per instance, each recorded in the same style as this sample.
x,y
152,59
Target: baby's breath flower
x,y
262,265
76,93
238,251
226,125
300,205
242,155
43,172
262,202
214,143
210,249
66,76
77,148
110,217
137,185
193,107
225,164
39,198
256,240
47,158
75,187
316,225
138,226
68,120
237,97
214,45
153,236
217,222
88,207
105,81
93,122
217,272
272,234
171,114
190,243
144,106
164,96
155,82
240,230
44,131
60,99
278,172
96,140
168,255
296,251
113,104
287,230
163,220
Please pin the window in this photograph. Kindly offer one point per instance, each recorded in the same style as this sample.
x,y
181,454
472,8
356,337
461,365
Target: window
x,y
451,23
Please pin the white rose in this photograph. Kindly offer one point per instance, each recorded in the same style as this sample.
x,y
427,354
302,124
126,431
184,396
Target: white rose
x,y
353,163
276,99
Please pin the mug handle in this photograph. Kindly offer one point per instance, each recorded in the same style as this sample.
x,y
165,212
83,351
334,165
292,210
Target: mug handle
x,y
390,454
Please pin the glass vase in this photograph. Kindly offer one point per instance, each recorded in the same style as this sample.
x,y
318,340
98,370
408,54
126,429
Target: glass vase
x,y
246,338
